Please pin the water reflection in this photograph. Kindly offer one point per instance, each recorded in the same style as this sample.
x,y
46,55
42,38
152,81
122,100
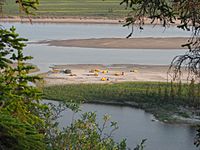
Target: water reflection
x,y
136,125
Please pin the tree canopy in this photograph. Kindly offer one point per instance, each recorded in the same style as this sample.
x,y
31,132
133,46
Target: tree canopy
x,y
185,14
26,123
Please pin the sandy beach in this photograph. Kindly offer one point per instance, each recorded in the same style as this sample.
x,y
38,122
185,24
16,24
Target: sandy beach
x,y
88,73
121,43
99,20
73,19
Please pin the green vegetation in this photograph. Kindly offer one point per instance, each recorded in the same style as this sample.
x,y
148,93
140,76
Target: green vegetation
x,y
25,122
20,110
161,99
80,8
18,135
87,124
185,13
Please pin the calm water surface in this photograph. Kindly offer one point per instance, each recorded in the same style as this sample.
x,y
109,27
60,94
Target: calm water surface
x,y
136,125
37,31
45,56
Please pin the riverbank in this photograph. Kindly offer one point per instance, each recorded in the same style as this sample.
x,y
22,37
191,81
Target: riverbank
x,y
139,86
75,19
169,103
121,43
87,20
113,73
88,73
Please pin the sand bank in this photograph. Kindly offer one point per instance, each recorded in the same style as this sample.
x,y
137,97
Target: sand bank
x,y
74,19
87,20
83,73
121,43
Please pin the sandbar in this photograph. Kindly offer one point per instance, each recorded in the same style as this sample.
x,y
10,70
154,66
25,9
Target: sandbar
x,y
64,19
121,43
115,73
75,19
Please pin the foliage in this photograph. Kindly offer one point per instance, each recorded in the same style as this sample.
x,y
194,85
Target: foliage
x,y
86,133
185,13
20,107
16,135
162,99
141,145
15,91
165,11
26,5
197,138
26,123
180,93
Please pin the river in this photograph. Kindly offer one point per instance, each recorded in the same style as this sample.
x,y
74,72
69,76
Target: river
x,y
53,31
45,56
134,124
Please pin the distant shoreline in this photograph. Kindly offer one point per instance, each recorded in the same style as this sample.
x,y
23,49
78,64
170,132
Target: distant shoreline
x,y
70,19
89,20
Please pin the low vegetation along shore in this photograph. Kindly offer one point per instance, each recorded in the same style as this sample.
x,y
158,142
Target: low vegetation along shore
x,y
85,8
168,102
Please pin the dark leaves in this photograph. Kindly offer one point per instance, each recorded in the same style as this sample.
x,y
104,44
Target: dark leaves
x,y
129,35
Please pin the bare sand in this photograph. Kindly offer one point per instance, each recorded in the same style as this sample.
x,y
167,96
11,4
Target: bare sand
x,y
121,43
73,19
64,19
82,73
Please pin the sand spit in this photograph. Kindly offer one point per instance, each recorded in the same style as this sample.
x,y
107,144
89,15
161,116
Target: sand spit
x,y
88,73
64,19
121,43
75,19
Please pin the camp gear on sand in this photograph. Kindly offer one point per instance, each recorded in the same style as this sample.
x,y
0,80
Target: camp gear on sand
x,y
67,71
103,79
136,71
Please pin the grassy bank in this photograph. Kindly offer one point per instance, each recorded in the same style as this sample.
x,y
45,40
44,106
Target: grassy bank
x,y
161,99
83,8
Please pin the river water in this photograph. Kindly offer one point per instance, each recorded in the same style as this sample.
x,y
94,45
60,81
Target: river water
x,y
134,124
45,56
53,31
